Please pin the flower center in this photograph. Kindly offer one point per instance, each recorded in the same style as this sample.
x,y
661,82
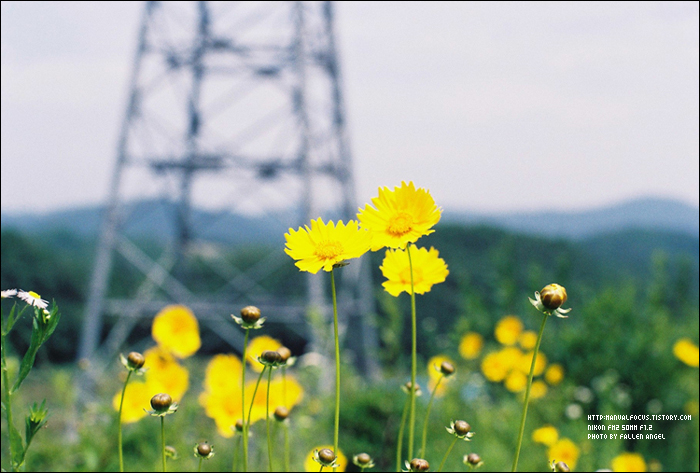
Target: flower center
x,y
328,249
34,295
400,224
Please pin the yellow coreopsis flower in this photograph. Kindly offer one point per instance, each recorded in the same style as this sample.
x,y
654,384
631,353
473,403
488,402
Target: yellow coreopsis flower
x,y
256,347
554,374
311,465
175,329
564,450
470,345
287,396
400,216
508,330
546,435
686,351
526,362
223,374
495,367
538,389
324,246
516,381
627,461
428,269
224,407
527,340
165,374
136,398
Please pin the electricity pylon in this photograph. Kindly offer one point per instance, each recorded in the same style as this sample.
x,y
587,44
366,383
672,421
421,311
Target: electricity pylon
x,y
234,107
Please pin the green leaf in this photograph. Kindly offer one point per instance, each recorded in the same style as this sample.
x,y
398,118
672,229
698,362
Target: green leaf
x,y
17,446
35,420
28,360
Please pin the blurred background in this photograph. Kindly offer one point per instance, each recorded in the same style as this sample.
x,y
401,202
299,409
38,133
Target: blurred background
x,y
157,152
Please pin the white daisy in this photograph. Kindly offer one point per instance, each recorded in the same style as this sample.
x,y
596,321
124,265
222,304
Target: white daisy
x,y
32,298
9,293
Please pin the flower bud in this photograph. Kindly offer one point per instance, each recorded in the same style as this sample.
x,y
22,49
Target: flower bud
x,y
447,368
161,402
326,456
461,427
239,425
363,458
473,459
203,449
284,353
270,358
418,464
171,452
407,388
553,296
135,360
250,314
561,466
281,413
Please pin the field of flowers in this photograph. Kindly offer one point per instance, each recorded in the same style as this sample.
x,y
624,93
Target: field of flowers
x,y
516,395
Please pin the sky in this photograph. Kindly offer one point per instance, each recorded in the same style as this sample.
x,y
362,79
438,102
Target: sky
x,y
494,107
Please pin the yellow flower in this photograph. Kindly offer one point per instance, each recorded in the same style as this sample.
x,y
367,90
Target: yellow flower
x,y
224,407
175,329
136,398
508,330
546,435
401,216
495,367
434,366
165,374
256,347
565,451
326,245
288,396
686,351
515,382
470,345
223,374
311,465
526,362
528,340
428,269
538,390
629,462
554,374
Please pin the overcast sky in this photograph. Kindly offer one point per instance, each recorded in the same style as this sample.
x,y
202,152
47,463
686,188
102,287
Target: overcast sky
x,y
492,106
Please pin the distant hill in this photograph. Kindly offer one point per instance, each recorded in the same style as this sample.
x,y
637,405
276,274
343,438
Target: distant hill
x,y
154,219
642,214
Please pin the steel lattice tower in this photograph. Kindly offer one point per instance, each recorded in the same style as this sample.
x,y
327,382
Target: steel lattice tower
x,y
233,107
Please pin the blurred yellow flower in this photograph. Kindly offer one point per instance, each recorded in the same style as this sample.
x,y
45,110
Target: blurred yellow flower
x,y
470,345
311,465
686,351
554,374
495,367
223,374
255,348
538,390
441,389
428,269
325,245
527,340
516,381
564,450
287,396
136,398
224,407
546,435
165,374
401,216
508,330
526,362
175,329
629,462
434,366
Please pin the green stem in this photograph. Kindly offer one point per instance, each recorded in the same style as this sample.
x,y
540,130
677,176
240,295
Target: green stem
x,y
447,453
286,445
245,429
267,416
162,439
252,401
8,395
399,442
200,464
427,417
414,344
121,404
527,393
337,368
235,451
